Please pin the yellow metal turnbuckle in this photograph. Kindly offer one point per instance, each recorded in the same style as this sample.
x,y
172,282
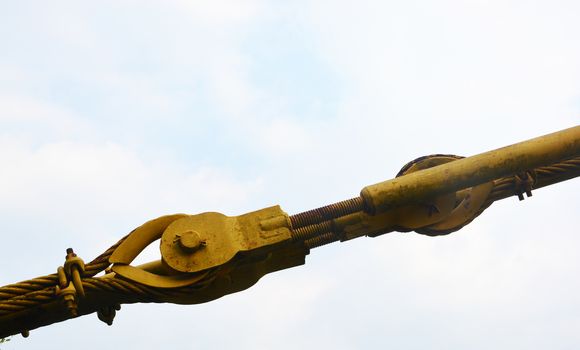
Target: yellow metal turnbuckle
x,y
209,255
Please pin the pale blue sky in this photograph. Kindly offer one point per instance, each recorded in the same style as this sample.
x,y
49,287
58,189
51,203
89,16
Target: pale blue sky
x,y
116,112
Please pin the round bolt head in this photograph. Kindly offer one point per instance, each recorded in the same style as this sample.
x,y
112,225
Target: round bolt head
x,y
190,241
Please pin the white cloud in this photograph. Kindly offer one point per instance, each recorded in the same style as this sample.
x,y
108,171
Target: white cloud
x,y
223,13
230,85
453,64
32,114
283,136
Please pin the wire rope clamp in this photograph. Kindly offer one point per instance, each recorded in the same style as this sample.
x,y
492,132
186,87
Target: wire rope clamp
x,y
69,298
73,268
524,182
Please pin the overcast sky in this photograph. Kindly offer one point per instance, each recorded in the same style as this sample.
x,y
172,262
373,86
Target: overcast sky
x,y
116,112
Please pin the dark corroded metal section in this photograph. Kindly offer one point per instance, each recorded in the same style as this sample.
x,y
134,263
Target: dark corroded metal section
x,y
328,212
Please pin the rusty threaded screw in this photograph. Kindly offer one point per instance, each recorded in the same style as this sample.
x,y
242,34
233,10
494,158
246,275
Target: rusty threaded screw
x,y
329,212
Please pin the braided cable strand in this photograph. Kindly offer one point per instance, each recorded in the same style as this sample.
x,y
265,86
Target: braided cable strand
x,y
28,296
21,288
130,292
545,176
101,262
